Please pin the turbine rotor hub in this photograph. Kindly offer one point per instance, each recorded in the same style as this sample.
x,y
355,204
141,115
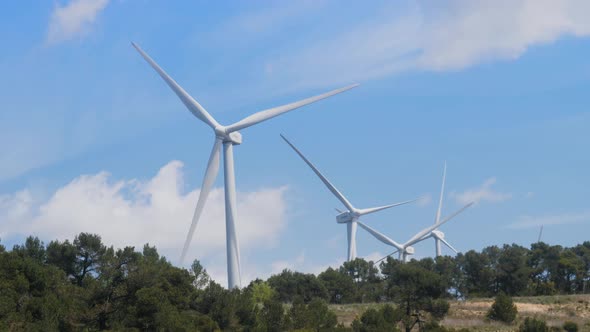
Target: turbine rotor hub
x,y
233,137
410,250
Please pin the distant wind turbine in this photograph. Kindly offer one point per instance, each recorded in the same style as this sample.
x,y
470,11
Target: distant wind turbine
x,y
351,216
540,234
228,136
437,235
406,249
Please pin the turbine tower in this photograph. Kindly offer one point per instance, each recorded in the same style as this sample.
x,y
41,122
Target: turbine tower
x,y
226,136
351,216
406,248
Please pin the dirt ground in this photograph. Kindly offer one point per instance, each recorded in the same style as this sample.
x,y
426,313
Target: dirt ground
x,y
555,310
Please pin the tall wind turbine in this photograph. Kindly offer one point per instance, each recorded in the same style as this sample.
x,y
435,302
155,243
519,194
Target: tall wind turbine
x,y
228,136
406,248
351,216
437,235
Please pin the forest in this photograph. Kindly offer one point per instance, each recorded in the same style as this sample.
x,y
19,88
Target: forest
x,y
84,285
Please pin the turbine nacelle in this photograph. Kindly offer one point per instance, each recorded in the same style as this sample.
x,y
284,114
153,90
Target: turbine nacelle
x,y
438,234
346,217
410,250
234,137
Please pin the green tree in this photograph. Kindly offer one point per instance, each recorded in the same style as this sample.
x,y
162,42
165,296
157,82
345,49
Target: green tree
x,y
533,325
272,317
503,309
89,251
200,276
261,291
340,286
33,248
290,284
374,320
512,271
415,290
570,327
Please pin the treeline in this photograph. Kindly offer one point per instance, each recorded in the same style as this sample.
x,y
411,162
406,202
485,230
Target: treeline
x,y
85,285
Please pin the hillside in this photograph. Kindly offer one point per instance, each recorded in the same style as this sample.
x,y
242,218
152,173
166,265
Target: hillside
x,y
471,313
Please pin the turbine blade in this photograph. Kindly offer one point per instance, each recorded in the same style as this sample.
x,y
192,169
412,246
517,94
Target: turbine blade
x,y
276,111
385,257
448,245
418,237
456,213
338,210
380,236
363,212
322,177
442,191
210,175
187,100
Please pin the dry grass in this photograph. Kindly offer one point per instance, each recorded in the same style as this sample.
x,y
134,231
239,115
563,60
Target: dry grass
x,y
555,310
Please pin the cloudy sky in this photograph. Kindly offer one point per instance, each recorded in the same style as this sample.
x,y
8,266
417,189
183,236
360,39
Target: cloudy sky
x,y
91,139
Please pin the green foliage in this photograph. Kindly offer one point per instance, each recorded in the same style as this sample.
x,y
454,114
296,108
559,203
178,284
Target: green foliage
x,y
503,309
340,286
570,327
85,285
290,284
272,317
533,325
314,316
200,276
373,320
417,291
261,291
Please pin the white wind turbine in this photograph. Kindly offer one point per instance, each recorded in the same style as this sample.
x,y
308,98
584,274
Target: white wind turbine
x,y
406,249
228,136
437,235
351,216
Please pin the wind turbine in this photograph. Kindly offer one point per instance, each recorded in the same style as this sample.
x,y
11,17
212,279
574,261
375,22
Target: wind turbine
x,y
351,216
437,235
540,234
406,248
228,136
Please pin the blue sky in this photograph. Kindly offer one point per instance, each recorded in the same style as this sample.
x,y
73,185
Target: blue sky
x,y
93,140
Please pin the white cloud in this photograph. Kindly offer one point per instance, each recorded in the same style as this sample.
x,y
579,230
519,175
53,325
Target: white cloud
x,y
135,212
297,263
425,36
424,200
73,19
561,219
483,193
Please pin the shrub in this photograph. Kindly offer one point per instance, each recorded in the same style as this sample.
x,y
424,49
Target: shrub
x,y
533,325
503,309
570,327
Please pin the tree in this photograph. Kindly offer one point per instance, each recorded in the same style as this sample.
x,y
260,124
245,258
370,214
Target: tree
x,y
89,251
314,316
533,325
272,317
373,320
261,291
570,327
200,276
512,270
415,290
503,309
33,248
340,286
290,284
